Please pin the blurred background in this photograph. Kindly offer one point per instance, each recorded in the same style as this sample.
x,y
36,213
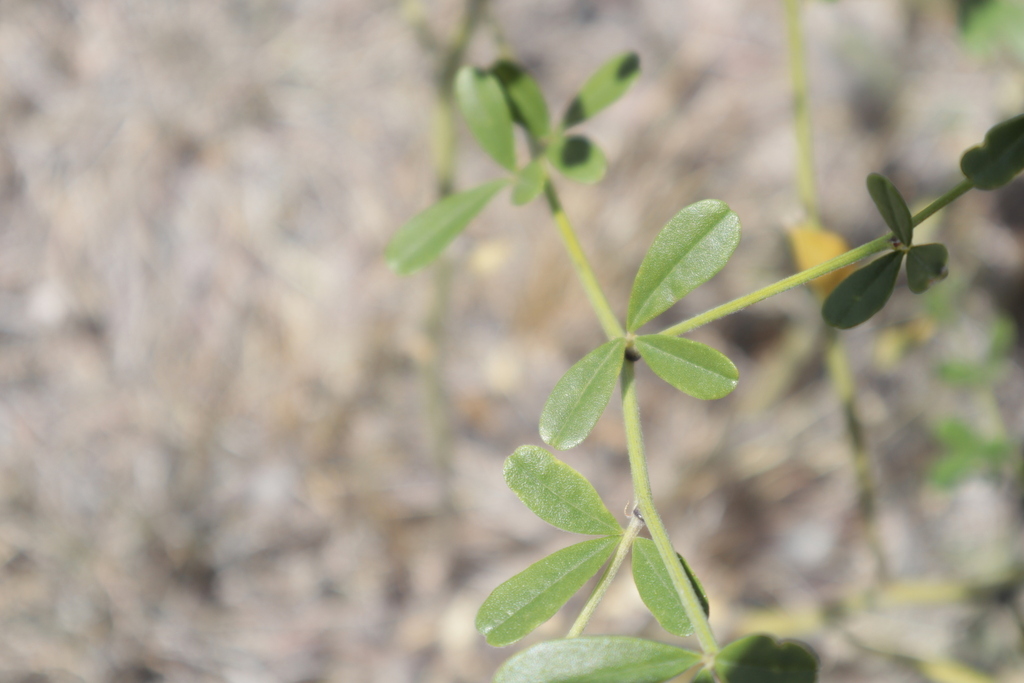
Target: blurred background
x,y
232,448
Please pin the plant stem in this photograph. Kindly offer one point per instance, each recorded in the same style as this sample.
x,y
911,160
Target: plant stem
x,y
598,302
625,543
645,501
942,202
801,115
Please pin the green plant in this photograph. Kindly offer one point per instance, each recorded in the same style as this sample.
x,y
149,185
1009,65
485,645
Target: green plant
x,y
690,249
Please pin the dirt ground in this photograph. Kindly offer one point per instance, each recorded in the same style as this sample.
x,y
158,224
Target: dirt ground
x,y
216,459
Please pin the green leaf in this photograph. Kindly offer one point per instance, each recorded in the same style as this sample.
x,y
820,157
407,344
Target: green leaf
x,y
525,97
991,25
691,367
688,251
926,265
529,182
425,235
597,659
656,590
577,158
607,84
966,452
704,676
580,397
482,102
864,293
1003,338
532,596
762,659
995,162
557,493
892,206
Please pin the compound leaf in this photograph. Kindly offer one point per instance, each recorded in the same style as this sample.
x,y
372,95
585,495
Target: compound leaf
x,y
557,493
597,659
425,235
688,251
532,596
577,158
864,293
892,206
607,84
996,161
482,102
525,98
926,265
691,367
762,659
529,182
657,591
580,396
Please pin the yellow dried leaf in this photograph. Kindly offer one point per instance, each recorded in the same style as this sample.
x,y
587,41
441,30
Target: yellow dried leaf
x,y
811,247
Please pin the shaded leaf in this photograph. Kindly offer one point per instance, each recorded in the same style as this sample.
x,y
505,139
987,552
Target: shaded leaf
x,y
607,84
762,659
926,265
811,247
691,367
688,251
864,293
557,493
425,235
482,102
577,158
532,596
995,162
892,206
580,396
525,98
529,182
657,591
597,659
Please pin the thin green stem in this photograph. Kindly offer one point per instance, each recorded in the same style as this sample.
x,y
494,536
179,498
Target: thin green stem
x,y
645,501
598,302
942,202
801,114
625,543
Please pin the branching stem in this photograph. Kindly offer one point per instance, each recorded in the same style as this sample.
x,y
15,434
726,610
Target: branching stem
x,y
625,543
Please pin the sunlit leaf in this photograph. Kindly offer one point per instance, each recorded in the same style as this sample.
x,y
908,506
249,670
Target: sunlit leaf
x,y
606,85
580,396
762,659
525,97
597,659
691,367
529,182
482,102
926,265
892,206
811,247
996,161
425,235
657,591
557,493
864,293
532,596
577,158
688,251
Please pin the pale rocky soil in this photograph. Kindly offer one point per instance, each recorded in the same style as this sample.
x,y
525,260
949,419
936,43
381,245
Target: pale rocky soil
x,y
214,460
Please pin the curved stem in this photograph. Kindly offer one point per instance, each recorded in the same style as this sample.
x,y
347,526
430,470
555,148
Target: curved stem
x,y
625,543
645,501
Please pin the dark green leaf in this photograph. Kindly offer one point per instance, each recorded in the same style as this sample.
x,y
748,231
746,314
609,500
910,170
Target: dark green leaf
x,y
557,493
606,85
864,293
657,591
577,158
926,265
532,596
580,397
688,251
425,235
597,659
529,182
691,367
995,162
527,101
482,102
762,659
892,206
